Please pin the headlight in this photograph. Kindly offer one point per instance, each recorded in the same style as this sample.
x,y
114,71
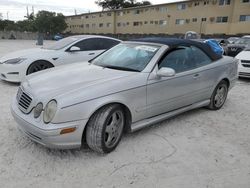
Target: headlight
x,y
14,61
49,111
38,110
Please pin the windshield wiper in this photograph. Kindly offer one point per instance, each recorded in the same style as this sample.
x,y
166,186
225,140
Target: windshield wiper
x,y
120,68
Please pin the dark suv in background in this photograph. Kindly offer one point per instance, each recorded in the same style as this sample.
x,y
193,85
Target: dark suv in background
x,y
238,46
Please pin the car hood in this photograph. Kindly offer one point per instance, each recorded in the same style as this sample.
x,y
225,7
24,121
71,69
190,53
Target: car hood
x,y
70,78
24,53
244,55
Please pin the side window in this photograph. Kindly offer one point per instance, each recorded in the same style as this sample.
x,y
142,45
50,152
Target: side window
x,y
201,59
108,43
86,45
96,44
179,59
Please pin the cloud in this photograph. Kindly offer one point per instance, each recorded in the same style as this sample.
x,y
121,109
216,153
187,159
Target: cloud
x,y
17,8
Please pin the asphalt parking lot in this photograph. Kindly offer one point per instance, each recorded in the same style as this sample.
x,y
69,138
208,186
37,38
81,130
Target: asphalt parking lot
x,y
197,149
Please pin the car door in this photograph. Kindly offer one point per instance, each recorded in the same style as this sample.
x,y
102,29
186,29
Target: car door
x,y
209,72
169,93
89,48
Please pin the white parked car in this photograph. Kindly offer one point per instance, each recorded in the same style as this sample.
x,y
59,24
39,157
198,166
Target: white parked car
x,y
244,63
131,86
15,66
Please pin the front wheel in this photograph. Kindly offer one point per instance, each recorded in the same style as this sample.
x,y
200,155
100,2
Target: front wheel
x,y
219,96
38,66
105,128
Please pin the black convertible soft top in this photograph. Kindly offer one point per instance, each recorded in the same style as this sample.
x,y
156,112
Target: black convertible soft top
x,y
173,43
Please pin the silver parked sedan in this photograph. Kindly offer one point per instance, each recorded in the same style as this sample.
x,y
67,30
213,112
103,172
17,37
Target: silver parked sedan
x,y
133,85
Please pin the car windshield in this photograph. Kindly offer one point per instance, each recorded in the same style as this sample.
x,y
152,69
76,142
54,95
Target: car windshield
x,y
243,41
127,57
61,43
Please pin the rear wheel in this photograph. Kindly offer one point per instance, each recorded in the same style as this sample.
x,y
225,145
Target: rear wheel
x,y
219,96
105,128
38,66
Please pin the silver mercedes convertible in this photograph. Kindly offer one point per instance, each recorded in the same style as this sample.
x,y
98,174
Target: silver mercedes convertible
x,y
133,85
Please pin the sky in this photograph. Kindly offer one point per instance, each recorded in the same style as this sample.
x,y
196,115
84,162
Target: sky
x,y
17,9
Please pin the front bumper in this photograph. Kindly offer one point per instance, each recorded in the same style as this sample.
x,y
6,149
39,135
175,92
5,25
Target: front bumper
x,y
244,71
12,73
49,136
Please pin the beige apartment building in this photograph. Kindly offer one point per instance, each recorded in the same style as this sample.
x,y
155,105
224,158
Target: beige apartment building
x,y
230,17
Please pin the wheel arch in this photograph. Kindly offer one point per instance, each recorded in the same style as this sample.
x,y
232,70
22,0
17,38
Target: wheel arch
x,y
38,61
227,81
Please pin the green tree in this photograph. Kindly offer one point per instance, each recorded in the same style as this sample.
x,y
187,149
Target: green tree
x,y
43,22
25,25
7,25
49,22
30,16
117,4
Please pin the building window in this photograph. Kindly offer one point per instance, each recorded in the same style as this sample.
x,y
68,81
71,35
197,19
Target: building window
x,y
222,19
101,25
137,23
87,25
127,23
146,22
93,16
196,3
179,21
151,22
224,2
245,1
93,25
206,2
203,19
109,14
100,15
194,20
137,11
163,9
163,22
86,17
181,6
120,13
119,24
244,18
108,24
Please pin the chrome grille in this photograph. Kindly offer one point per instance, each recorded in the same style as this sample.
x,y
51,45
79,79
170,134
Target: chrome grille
x,y
23,100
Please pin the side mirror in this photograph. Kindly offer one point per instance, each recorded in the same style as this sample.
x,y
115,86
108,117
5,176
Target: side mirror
x,y
74,49
166,72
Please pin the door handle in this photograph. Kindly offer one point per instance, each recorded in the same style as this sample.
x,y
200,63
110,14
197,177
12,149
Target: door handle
x,y
196,76
91,53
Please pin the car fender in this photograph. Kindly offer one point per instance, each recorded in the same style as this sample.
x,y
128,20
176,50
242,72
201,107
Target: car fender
x,y
132,99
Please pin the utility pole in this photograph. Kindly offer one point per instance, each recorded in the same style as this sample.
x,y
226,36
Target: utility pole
x,y
33,10
27,9
75,12
7,15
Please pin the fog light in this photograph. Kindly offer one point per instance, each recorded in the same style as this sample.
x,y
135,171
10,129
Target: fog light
x,y
38,110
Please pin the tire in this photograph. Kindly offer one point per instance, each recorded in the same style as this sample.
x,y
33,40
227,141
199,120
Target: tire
x,y
38,66
105,128
219,96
